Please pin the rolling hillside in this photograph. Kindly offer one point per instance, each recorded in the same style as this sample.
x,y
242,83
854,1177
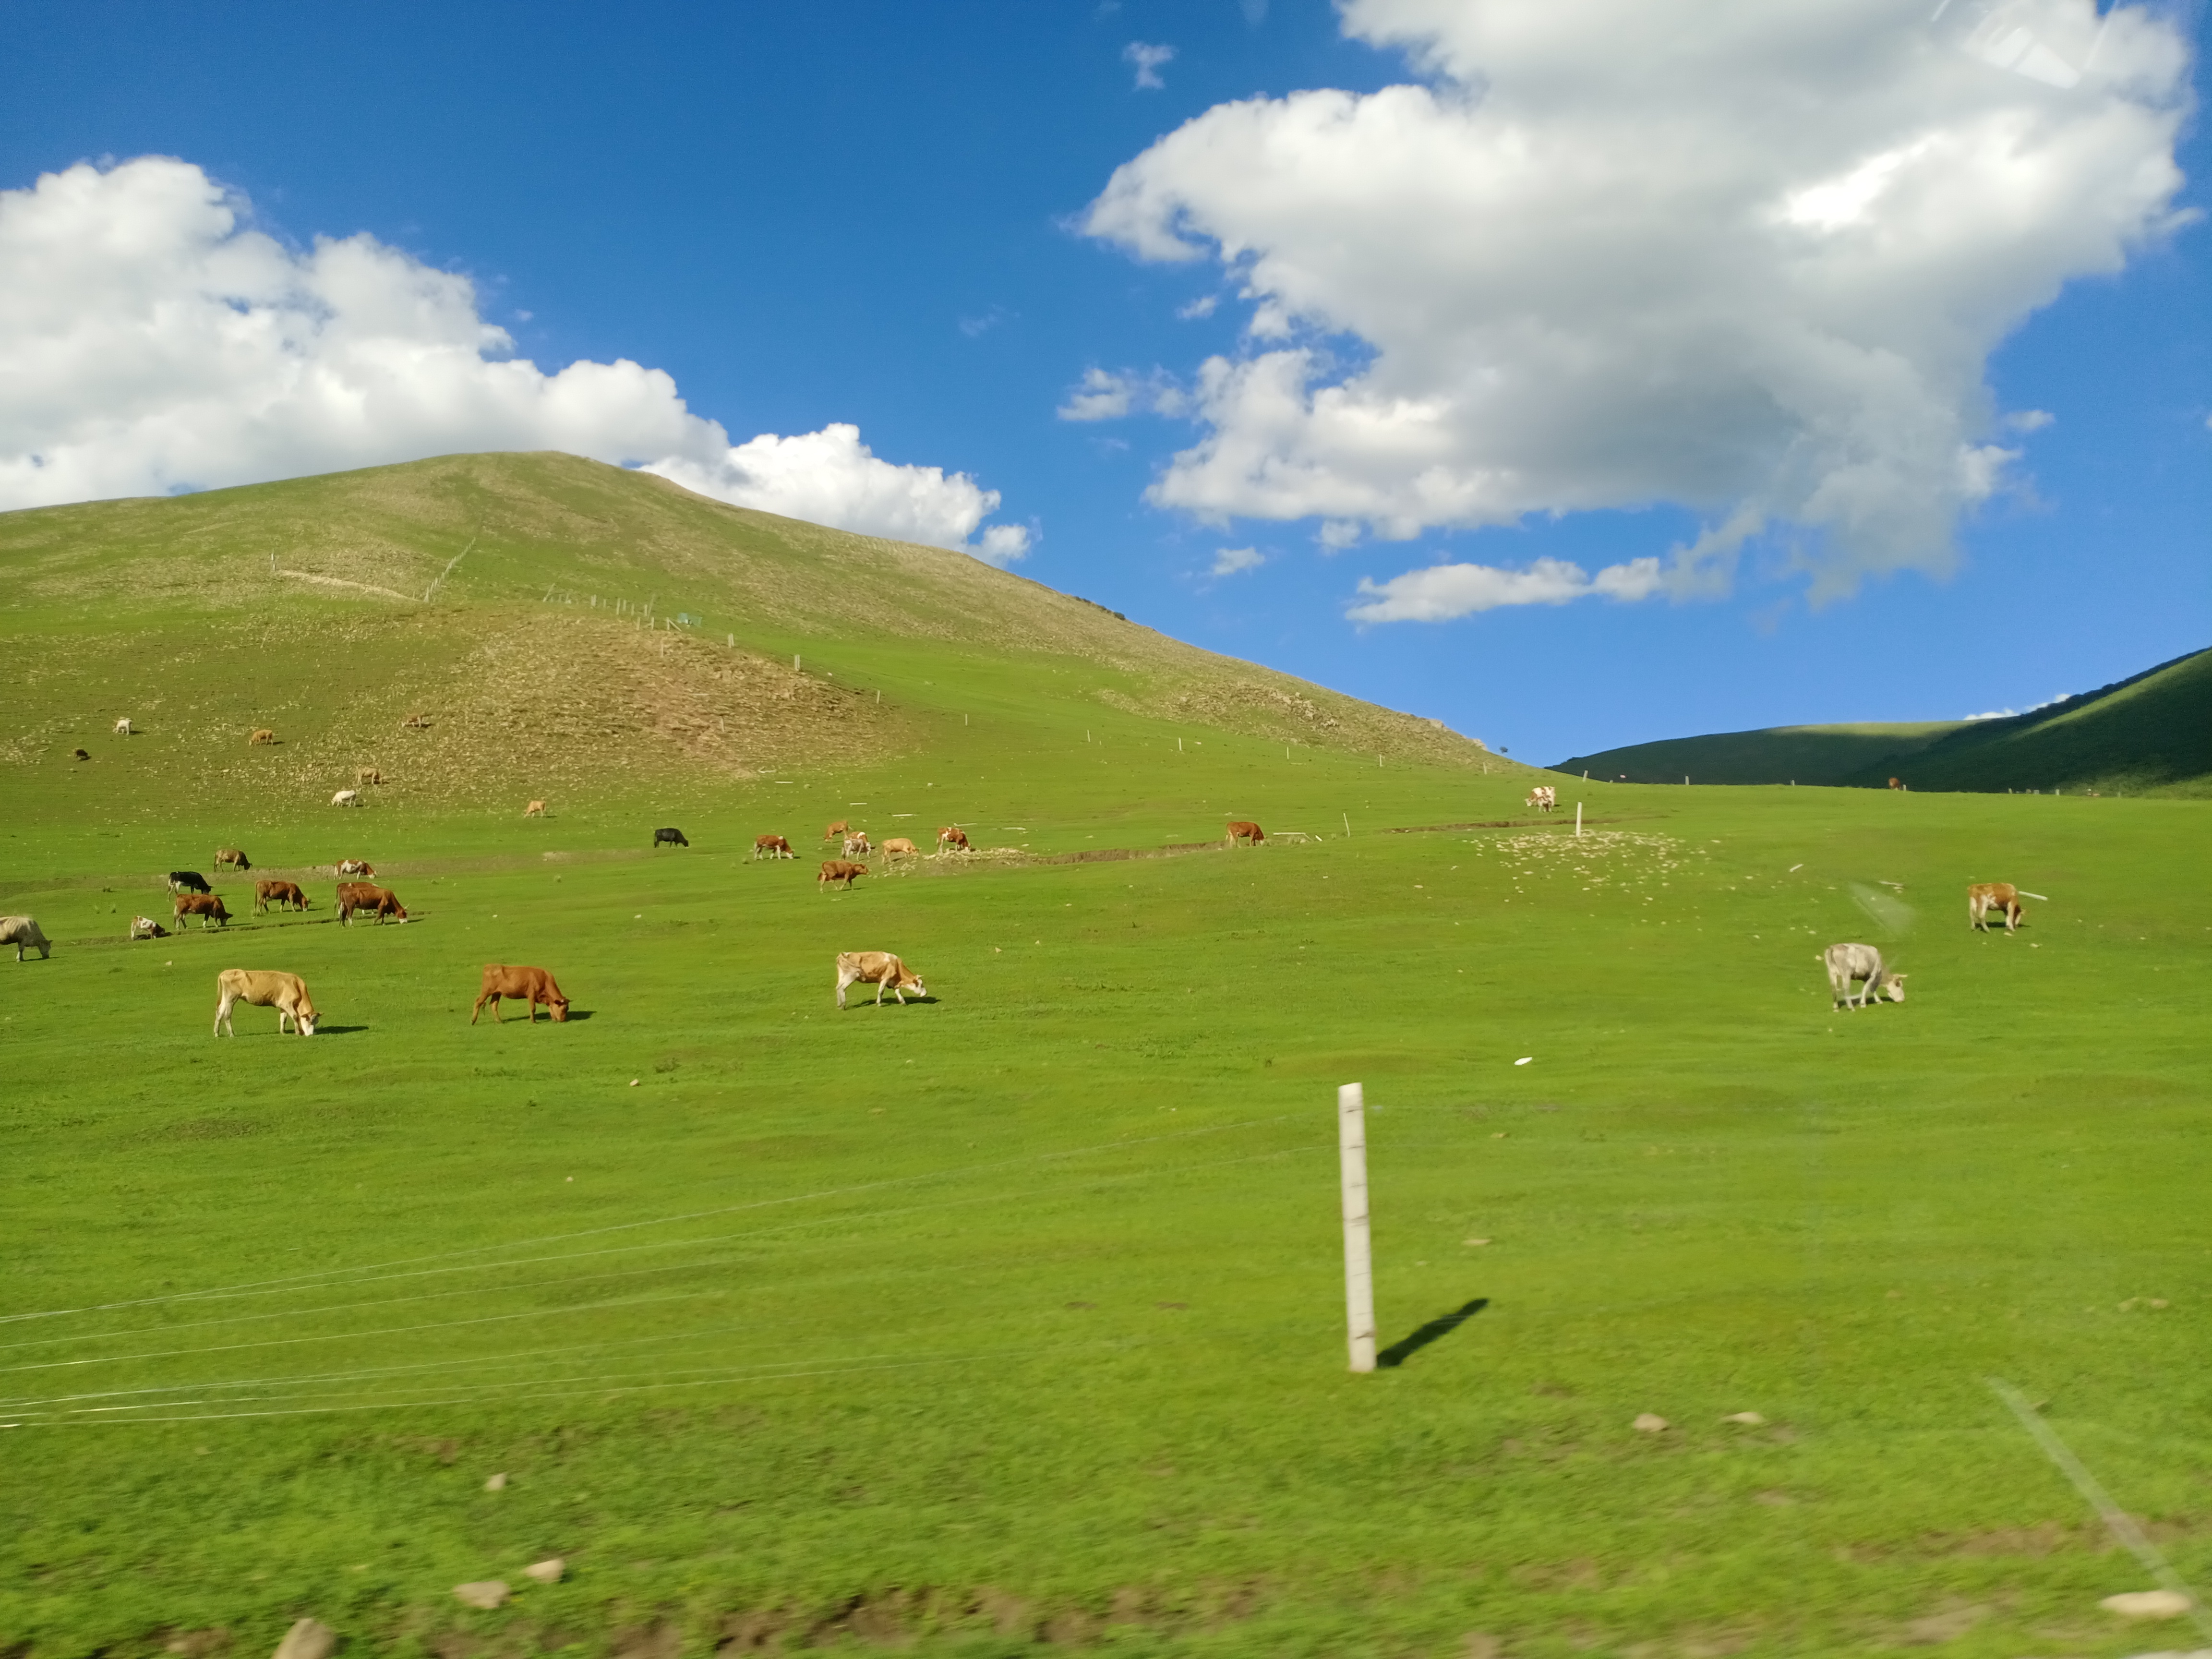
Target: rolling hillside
x,y
2148,735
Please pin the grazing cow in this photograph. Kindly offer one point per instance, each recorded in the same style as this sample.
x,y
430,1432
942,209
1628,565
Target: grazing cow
x,y
2002,897
858,846
284,894
535,810
836,829
363,896
80,754
346,798
1847,963
774,847
19,931
355,867
206,905
188,881
122,728
263,989
670,837
1245,831
416,723
1894,784
951,837
233,857
839,870
532,985
881,969
367,775
1544,797
264,735
147,927
900,847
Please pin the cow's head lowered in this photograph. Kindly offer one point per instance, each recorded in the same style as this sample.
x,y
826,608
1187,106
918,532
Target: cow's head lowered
x,y
1893,987
305,1014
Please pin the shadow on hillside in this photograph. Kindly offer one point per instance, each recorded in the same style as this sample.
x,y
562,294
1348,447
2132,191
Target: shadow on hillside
x,y
1406,1346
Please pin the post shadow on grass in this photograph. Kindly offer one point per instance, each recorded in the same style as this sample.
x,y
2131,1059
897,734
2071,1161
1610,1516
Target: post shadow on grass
x,y
1444,1325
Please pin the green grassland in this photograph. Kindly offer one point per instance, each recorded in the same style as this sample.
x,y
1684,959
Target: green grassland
x,y
1012,1318
2150,734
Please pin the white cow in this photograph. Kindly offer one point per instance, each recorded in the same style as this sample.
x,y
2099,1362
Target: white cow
x,y
263,989
1847,963
19,931
346,798
123,726
858,846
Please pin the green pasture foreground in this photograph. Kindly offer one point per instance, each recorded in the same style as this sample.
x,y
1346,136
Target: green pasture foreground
x,y
1015,1316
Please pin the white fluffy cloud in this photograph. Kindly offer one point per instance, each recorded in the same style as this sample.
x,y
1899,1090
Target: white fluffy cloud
x,y
152,341
1743,257
1235,560
1148,61
1445,591
1106,394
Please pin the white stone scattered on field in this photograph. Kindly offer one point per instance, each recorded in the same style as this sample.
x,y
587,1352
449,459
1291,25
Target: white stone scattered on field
x,y
311,1639
1749,1419
1474,1241
547,1572
484,1593
633,1083
495,1483
2147,1604
1649,1423
1524,1060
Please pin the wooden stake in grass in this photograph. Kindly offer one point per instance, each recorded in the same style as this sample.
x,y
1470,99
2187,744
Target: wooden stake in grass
x,y
1578,820
1358,1260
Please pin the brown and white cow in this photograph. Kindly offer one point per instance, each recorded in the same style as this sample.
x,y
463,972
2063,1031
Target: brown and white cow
x,y
363,895
1245,831
1847,963
858,846
263,989
207,907
1544,797
881,969
951,837
232,856
839,828
19,931
836,870
772,847
355,867
285,894
532,985
147,927
900,847
2002,897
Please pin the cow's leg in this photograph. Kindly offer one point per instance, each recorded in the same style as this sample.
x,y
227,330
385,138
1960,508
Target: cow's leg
x,y
223,1013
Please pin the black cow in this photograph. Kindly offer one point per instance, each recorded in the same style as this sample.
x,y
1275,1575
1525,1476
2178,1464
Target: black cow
x,y
188,881
669,838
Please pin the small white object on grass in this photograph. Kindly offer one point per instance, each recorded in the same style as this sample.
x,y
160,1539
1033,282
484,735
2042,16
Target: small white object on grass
x,y
1524,1060
310,1638
1649,1423
495,1483
1749,1419
547,1572
2147,1604
633,1083
482,1592
1474,1241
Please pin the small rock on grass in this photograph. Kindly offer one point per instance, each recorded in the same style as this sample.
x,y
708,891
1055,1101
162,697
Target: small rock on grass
x,y
483,1593
495,1483
547,1572
310,1638
2147,1604
1749,1419
1649,1423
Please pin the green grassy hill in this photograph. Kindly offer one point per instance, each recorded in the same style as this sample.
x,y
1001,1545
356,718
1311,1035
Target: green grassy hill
x,y
1012,1319
2148,735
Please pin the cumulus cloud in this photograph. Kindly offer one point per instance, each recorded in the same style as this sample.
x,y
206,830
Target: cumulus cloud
x,y
1749,259
1148,61
1443,592
1233,561
153,340
1110,394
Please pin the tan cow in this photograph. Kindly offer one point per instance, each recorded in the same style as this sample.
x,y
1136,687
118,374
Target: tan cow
x,y
232,856
951,837
263,989
363,896
1847,963
532,985
346,798
285,894
207,907
774,847
416,723
1247,832
19,931
535,810
881,969
835,830
2002,897
367,775
264,735
839,870
900,847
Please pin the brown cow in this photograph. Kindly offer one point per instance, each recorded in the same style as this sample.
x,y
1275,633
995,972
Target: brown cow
x,y
264,735
532,985
263,989
535,810
839,870
231,856
900,847
367,775
207,907
1241,831
951,837
1894,784
774,847
286,895
363,896
836,830
881,969
2002,897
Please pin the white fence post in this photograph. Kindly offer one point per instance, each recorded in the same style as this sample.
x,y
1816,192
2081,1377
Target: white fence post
x,y
1578,820
1358,1263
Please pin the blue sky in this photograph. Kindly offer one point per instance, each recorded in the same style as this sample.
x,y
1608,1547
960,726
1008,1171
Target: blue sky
x,y
882,216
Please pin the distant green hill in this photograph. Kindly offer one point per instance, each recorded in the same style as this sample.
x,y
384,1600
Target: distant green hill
x,y
2149,734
